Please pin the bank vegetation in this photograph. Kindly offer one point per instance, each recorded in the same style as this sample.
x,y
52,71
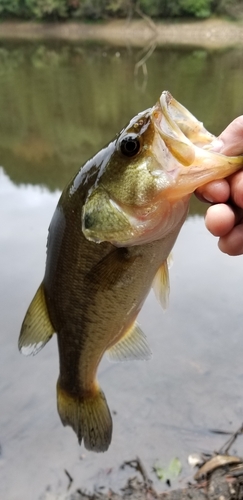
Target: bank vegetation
x,y
55,10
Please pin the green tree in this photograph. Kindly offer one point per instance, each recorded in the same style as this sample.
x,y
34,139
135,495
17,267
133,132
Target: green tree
x,y
46,8
102,9
10,7
197,8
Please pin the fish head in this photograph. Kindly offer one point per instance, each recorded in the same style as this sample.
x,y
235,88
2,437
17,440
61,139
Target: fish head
x,y
143,187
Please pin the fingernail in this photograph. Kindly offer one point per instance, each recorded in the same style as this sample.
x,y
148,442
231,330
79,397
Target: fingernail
x,y
208,198
217,145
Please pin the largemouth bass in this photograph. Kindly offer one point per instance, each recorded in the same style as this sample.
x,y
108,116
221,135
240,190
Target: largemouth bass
x,y
109,240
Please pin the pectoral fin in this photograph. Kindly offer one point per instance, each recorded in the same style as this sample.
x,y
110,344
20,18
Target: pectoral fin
x,y
111,269
36,329
132,346
161,285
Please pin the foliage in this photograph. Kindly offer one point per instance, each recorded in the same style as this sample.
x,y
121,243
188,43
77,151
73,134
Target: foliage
x,y
45,8
233,8
10,7
177,8
91,9
102,9
169,472
201,8
153,9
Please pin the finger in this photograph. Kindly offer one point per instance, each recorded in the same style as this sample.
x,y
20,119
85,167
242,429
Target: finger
x,y
231,138
229,143
236,188
214,192
220,219
232,243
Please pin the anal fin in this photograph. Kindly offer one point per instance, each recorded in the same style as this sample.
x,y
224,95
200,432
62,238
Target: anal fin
x,y
36,328
132,346
161,284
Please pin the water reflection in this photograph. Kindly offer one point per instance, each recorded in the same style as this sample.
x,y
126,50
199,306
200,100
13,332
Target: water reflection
x,y
59,104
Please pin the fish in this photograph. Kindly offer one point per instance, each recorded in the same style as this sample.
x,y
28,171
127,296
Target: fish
x,y
109,242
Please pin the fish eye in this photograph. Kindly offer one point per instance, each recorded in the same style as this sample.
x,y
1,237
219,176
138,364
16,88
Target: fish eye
x,y
130,145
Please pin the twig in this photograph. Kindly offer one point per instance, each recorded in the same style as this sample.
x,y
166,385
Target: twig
x,y
133,7
143,60
226,446
138,466
69,478
219,431
147,19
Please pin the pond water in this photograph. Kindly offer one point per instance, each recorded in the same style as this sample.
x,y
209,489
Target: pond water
x,y
59,104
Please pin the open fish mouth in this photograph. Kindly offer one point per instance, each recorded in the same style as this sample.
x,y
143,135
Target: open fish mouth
x,y
191,145
175,123
182,134
139,198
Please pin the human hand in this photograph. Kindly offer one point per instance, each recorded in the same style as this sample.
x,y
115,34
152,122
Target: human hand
x,y
225,218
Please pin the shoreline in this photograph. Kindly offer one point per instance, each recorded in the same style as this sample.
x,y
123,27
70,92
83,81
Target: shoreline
x,y
211,34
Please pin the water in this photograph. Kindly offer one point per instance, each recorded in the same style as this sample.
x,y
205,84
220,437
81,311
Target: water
x,y
59,104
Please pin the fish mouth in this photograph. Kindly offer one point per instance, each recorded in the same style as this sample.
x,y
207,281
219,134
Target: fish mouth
x,y
177,123
179,130
193,162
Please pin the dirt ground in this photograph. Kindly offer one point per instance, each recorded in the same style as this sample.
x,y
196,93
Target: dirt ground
x,y
221,486
223,483
213,33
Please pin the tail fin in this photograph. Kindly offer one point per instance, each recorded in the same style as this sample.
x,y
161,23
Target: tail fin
x,y
90,418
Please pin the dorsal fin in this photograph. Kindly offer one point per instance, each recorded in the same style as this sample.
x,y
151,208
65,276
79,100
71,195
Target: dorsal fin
x,y
36,329
161,284
132,346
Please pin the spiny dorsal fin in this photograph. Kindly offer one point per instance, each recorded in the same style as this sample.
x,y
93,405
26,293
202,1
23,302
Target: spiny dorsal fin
x,y
161,284
36,329
132,346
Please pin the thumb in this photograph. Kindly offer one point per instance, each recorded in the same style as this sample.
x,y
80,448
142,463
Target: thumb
x,y
230,142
